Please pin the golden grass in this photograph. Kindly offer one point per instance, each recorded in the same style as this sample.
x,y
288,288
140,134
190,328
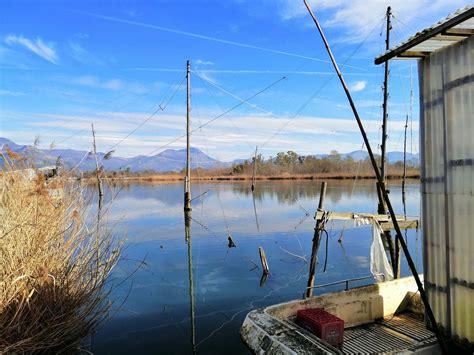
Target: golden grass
x,y
156,177
53,266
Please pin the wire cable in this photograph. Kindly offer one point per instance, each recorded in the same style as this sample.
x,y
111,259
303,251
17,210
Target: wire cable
x,y
158,109
208,122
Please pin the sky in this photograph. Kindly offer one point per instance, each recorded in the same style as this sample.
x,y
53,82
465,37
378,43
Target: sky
x,y
260,75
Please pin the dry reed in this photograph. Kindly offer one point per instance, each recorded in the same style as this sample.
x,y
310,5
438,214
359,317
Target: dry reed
x,y
54,265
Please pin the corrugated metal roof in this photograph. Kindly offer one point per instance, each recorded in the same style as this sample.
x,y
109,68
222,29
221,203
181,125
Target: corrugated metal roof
x,y
454,28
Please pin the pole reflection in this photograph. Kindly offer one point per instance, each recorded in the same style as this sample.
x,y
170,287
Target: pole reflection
x,y
192,308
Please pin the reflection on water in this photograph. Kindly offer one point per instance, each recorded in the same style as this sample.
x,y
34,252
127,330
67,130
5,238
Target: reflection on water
x,y
194,292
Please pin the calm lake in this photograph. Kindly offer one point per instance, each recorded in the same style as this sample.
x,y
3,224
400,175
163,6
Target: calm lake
x,y
152,312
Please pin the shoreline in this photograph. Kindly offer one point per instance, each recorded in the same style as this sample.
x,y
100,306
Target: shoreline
x,y
329,176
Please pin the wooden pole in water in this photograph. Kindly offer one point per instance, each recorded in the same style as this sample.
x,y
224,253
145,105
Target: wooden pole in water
x,y
263,260
187,179
97,173
316,242
411,264
253,172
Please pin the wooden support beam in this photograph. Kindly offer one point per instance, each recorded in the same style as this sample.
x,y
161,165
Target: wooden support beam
x,y
450,38
408,224
383,219
414,54
466,32
316,241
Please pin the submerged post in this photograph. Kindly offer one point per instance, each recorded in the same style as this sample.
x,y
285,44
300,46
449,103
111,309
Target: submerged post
x,y
253,171
97,174
263,260
411,264
316,242
187,178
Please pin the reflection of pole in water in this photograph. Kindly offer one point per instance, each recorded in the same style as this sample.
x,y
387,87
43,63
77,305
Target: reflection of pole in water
x,y
187,235
255,211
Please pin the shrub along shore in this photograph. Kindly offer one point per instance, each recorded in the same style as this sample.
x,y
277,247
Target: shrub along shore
x,y
54,264
285,166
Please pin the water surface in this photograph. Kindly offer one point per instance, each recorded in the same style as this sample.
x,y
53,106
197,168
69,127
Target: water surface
x,y
153,308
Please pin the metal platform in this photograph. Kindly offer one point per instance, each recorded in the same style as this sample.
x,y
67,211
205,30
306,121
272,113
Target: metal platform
x,y
401,333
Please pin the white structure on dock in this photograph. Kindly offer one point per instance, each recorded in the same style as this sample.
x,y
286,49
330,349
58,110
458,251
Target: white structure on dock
x,y
446,75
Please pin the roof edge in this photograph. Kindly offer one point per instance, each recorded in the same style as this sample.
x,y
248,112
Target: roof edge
x,y
425,35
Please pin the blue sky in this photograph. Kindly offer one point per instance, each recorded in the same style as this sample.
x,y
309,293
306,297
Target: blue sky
x,y
65,64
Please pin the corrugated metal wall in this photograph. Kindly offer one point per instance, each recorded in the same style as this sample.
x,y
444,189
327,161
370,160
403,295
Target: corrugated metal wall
x,y
447,158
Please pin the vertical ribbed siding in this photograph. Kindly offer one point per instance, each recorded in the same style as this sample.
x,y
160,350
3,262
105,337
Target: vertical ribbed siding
x,y
447,156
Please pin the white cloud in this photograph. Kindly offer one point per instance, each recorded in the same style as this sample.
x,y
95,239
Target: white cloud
x,y
203,62
290,9
10,93
92,81
358,17
225,139
79,53
113,84
40,48
358,86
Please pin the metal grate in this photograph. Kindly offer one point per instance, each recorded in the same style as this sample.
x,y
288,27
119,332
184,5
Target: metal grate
x,y
393,334
374,338
409,325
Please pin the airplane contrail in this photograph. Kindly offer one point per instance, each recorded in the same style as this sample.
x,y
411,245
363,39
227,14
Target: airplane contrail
x,y
208,38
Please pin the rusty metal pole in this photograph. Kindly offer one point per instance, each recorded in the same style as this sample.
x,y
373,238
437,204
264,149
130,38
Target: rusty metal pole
x,y
411,264
316,242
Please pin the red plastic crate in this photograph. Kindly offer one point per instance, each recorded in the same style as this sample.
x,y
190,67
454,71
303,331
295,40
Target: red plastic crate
x,y
324,325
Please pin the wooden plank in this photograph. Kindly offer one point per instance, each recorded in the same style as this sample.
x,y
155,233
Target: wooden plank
x,y
408,224
384,220
460,32
353,215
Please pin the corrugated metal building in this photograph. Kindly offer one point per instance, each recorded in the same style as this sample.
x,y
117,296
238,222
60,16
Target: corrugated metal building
x,y
446,75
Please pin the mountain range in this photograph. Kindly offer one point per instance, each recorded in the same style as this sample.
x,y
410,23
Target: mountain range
x,y
167,160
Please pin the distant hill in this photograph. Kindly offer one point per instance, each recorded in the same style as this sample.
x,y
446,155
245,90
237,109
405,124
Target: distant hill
x,y
168,160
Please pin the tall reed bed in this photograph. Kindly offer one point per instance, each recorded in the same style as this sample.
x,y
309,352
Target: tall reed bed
x,y
54,265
